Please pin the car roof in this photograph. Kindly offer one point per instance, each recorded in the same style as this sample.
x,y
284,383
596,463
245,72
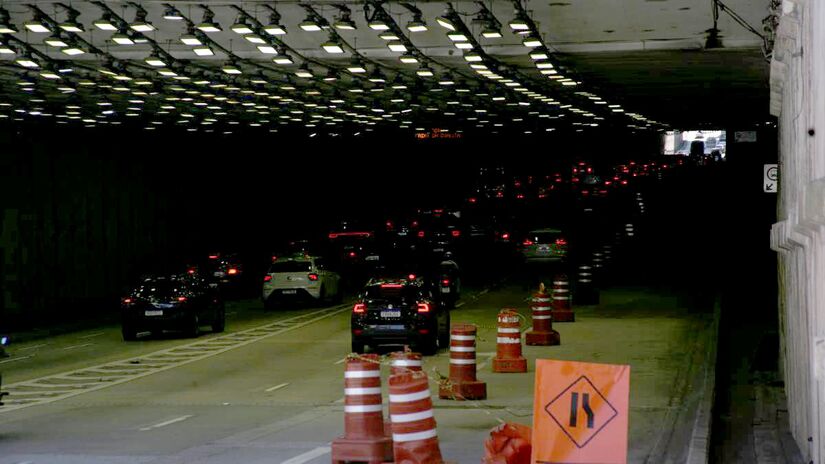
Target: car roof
x,y
544,231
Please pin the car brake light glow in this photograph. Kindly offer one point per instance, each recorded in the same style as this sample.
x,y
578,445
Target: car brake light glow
x,y
352,254
505,236
350,234
267,278
231,271
181,298
190,271
359,308
456,233
313,277
411,277
423,307
528,242
445,282
274,258
561,241
472,199
127,300
213,256
420,234
391,285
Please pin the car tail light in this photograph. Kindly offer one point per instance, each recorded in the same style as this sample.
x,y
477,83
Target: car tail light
x,y
561,241
420,234
313,277
190,271
274,258
232,271
423,307
607,182
456,233
359,308
127,301
520,196
445,282
213,256
624,182
181,298
411,277
391,285
267,278
351,254
472,200
527,242
505,236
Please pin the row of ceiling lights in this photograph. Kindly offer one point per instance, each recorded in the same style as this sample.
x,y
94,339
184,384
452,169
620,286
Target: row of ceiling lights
x,y
274,28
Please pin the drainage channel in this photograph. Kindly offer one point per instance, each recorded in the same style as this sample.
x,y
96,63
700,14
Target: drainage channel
x,y
57,387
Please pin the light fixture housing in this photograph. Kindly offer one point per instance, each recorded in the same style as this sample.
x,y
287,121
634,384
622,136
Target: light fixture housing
x,y
473,57
377,77
417,25
56,41
231,68
345,23
408,58
425,71
540,54
203,50
122,38
332,46
155,60
242,27
304,72
105,23
267,49
274,27
356,67
532,41
6,27
191,39
284,59
27,61
254,38
71,24
520,22
309,24
490,32
172,14
398,47
37,25
140,24
379,25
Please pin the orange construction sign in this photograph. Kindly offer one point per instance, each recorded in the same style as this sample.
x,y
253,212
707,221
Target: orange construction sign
x,y
580,413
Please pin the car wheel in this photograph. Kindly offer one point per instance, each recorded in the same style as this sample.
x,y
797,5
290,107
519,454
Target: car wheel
x,y
219,324
444,335
194,328
357,346
129,333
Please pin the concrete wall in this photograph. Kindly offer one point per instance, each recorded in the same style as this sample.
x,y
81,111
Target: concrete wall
x,y
798,99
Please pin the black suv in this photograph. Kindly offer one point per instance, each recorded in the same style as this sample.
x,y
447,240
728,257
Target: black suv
x,y
399,311
177,302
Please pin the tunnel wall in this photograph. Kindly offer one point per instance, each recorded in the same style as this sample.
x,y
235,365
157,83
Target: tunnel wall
x,y
798,99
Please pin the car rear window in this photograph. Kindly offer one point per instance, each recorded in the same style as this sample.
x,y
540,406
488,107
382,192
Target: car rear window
x,y
290,266
403,294
544,237
160,288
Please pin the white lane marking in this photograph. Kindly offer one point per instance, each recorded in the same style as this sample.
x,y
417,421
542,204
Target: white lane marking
x,y
487,361
459,305
165,423
33,347
15,359
298,321
340,361
484,292
97,334
276,387
78,346
308,456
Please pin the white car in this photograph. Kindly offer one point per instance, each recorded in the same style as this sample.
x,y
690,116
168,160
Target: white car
x,y
300,277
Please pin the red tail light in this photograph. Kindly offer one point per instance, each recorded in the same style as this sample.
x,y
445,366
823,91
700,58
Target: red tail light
x,y
190,271
527,242
420,234
624,182
520,196
391,285
473,200
274,258
359,308
181,298
213,256
127,300
352,254
232,271
445,282
267,278
505,236
561,241
456,233
313,277
411,277
423,307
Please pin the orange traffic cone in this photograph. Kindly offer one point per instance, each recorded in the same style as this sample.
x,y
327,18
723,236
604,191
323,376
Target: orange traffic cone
x,y
542,333
414,436
463,384
562,307
364,439
508,347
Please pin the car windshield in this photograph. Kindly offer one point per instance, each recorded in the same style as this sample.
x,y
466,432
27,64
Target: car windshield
x,y
290,266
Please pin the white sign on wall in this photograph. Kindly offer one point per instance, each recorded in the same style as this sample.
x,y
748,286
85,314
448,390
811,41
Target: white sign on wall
x,y
744,136
771,178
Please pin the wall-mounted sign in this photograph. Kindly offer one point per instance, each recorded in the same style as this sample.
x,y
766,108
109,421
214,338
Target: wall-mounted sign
x,y
770,182
438,134
744,136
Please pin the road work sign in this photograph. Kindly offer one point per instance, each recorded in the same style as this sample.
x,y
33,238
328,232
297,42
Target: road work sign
x,y
771,178
580,413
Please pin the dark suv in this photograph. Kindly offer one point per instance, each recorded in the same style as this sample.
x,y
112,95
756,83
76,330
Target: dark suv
x,y
399,311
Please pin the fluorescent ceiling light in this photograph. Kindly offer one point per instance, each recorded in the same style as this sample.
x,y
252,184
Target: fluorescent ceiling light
x,y
378,25
27,62
268,49
36,26
241,27
473,57
445,23
457,37
142,26
408,58
122,39
463,45
166,72
356,67
275,29
332,46
203,50
190,39
424,71
55,41
544,65
283,59
532,41
209,26
417,25
397,47
254,38
72,26
491,33
309,25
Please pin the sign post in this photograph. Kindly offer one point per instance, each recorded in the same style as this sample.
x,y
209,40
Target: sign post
x,y
580,413
771,178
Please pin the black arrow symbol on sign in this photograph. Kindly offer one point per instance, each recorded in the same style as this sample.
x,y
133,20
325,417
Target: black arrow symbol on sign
x,y
769,187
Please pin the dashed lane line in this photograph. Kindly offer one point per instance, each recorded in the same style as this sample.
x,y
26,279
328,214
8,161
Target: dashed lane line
x,y
77,346
97,334
165,423
276,387
308,456
15,359
33,347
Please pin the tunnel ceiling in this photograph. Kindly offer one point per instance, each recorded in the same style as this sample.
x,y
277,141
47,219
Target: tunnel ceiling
x,y
640,64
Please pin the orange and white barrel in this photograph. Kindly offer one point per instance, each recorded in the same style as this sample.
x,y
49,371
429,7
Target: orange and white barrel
x,y
463,383
508,343
414,435
405,361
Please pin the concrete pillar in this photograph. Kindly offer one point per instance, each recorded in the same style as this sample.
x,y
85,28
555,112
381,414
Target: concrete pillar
x,y
798,99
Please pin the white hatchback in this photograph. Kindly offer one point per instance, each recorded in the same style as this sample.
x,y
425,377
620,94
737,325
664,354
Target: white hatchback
x,y
301,277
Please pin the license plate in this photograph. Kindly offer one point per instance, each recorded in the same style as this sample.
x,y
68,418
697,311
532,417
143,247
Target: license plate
x,y
372,258
218,274
390,313
156,312
290,292
445,289
388,327
544,248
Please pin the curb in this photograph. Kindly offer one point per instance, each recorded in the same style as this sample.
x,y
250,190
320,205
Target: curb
x,y
699,445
